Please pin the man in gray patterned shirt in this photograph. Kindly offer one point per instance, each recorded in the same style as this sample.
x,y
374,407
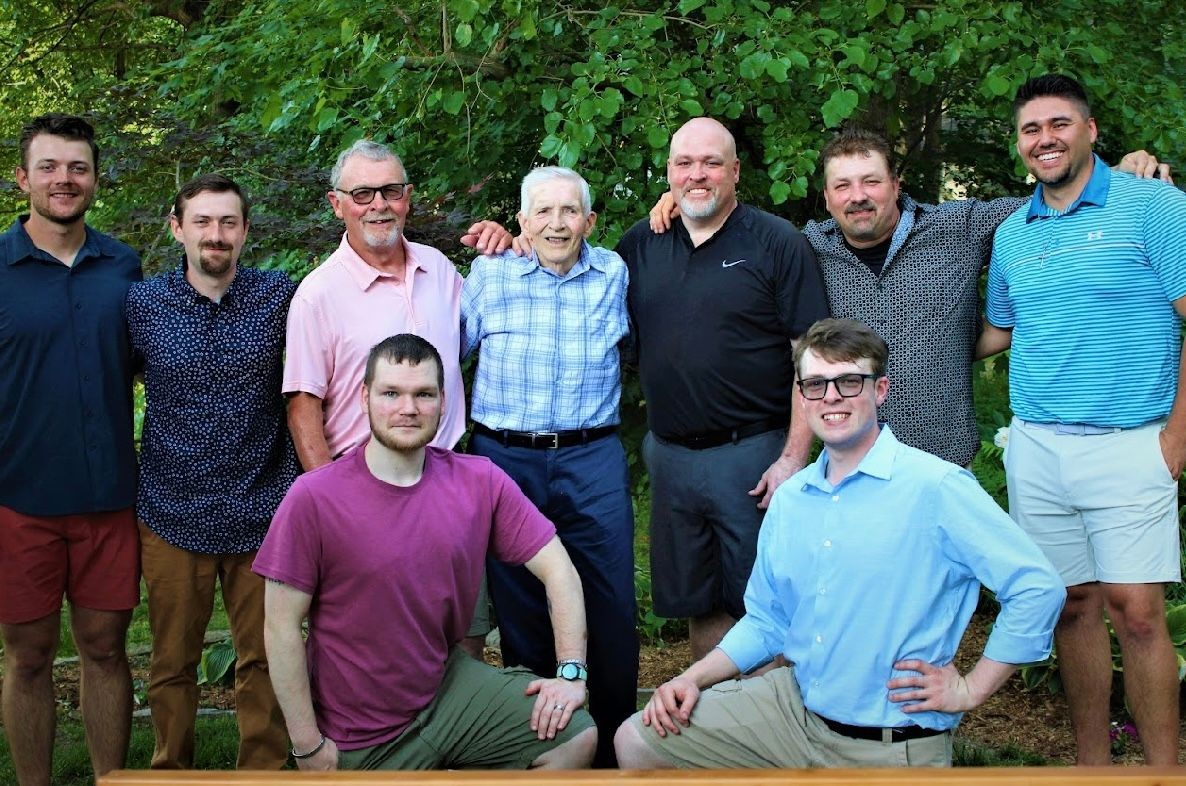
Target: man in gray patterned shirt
x,y
910,272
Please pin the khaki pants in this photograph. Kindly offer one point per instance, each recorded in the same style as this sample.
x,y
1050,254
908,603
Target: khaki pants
x,y
180,601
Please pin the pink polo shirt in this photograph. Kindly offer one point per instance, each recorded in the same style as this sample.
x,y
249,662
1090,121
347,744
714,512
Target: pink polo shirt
x,y
345,307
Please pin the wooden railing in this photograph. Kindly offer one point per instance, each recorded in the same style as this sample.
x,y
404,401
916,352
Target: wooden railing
x,y
958,776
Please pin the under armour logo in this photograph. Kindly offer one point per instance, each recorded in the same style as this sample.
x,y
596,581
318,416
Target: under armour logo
x,y
1096,235
727,263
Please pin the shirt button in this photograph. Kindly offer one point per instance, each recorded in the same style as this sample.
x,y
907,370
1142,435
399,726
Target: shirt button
x,y
78,306
819,639
823,591
827,544
836,498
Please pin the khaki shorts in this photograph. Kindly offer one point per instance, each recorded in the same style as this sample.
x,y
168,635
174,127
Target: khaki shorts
x,y
479,719
1102,507
761,723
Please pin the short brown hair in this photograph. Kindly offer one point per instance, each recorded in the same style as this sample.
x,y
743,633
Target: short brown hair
x,y
1051,85
855,140
219,184
69,127
844,341
403,348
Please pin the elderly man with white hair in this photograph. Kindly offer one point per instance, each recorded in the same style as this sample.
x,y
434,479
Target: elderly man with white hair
x,y
545,410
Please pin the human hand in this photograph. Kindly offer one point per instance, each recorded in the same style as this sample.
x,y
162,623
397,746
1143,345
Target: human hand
x,y
325,760
772,478
939,688
555,702
1143,164
487,237
671,706
1173,452
521,245
663,213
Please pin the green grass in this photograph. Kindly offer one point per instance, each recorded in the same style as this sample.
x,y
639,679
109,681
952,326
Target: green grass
x,y
969,754
216,746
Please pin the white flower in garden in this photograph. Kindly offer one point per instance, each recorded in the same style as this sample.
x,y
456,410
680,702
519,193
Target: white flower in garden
x,y
1001,438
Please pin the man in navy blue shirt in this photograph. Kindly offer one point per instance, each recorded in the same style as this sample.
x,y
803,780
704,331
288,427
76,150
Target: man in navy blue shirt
x,y
67,464
215,461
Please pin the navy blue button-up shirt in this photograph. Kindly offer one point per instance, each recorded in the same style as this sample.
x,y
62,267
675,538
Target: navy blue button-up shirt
x,y
215,455
66,387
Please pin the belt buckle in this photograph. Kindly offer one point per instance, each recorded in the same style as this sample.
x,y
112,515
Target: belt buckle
x,y
545,435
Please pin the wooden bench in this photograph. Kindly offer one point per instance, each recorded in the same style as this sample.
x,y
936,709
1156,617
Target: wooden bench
x,y
959,776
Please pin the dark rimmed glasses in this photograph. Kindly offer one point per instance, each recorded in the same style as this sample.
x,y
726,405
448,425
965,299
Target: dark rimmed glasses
x,y
847,385
392,192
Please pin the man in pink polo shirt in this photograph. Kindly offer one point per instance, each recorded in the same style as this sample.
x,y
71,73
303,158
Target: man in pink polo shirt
x,y
376,284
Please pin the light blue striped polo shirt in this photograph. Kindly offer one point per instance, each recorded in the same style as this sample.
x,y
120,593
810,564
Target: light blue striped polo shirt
x,y
549,344
1088,293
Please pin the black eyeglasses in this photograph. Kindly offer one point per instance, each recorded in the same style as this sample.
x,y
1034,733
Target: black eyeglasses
x,y
847,385
392,192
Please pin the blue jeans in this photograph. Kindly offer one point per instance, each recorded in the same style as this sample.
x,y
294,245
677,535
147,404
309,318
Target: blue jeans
x,y
585,491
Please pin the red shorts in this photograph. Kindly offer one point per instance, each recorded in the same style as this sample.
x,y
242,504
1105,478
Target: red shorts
x,y
92,558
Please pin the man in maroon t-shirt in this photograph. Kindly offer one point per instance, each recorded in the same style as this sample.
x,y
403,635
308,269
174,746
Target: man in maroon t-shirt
x,y
382,551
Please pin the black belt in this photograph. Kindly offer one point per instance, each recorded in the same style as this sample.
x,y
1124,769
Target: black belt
x,y
874,733
545,440
714,439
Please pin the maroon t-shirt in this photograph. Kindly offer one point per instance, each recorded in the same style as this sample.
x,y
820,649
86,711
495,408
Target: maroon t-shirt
x,y
394,576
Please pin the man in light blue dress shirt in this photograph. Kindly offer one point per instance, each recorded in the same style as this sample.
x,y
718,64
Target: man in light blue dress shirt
x,y
869,568
545,410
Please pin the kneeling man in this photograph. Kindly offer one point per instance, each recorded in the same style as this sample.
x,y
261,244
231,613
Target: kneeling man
x,y
383,551
868,570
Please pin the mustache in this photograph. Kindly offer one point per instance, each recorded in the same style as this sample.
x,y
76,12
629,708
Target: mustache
x,y
217,246
866,205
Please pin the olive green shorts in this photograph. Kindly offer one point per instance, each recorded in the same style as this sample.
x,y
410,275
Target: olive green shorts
x,y
479,719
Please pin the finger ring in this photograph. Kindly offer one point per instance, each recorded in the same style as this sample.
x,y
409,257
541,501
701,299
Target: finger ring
x,y
558,707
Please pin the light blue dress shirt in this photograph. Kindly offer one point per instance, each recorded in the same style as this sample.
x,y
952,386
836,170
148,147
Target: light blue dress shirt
x,y
549,343
886,566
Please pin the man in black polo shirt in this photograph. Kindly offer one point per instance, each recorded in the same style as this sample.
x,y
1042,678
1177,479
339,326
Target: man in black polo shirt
x,y
67,465
216,459
716,305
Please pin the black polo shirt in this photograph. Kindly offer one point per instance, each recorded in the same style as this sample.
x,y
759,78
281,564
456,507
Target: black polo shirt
x,y
714,322
66,423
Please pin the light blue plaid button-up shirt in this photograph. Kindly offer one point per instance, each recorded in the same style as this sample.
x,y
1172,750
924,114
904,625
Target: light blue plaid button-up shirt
x,y
549,344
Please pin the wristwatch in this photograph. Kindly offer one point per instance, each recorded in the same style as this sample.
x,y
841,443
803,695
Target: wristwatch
x,y
572,670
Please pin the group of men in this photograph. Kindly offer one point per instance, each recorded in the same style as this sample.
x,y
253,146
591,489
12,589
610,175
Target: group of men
x,y
783,568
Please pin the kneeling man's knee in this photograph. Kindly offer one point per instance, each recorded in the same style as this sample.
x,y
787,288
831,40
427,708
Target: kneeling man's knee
x,y
632,751
576,754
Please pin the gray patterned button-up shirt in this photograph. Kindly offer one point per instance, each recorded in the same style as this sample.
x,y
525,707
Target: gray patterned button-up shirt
x,y
926,306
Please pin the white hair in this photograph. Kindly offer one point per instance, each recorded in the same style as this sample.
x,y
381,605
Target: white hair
x,y
368,149
545,173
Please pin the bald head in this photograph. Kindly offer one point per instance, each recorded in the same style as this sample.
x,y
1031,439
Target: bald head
x,y
703,171
704,130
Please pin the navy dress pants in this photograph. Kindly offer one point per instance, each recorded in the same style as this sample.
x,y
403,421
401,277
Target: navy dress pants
x,y
585,491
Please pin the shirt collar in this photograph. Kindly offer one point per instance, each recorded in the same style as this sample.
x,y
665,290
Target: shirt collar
x,y
363,274
20,245
877,463
1094,193
586,260
180,284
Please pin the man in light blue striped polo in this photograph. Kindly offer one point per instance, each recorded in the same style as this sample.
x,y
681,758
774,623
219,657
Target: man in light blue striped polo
x,y
545,410
1088,283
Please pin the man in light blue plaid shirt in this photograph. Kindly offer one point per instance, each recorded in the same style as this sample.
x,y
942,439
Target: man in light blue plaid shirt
x,y
545,410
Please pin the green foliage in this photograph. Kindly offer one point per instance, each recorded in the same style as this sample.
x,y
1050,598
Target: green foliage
x,y
217,666
969,754
475,92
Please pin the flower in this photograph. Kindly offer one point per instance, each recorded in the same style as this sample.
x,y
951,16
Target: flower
x,y
1001,438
